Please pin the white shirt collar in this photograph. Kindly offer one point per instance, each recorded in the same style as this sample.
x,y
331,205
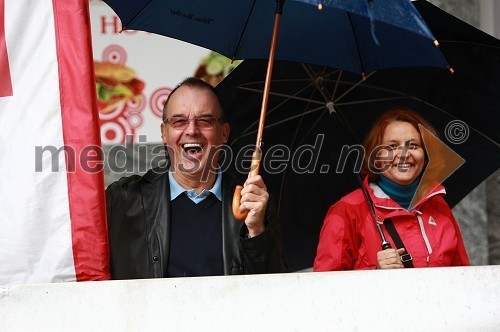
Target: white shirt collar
x,y
176,189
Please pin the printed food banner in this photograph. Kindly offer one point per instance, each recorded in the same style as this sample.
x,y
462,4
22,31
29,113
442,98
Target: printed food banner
x,y
53,218
136,71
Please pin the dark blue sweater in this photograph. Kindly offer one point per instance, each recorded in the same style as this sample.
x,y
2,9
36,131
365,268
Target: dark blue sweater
x,y
195,237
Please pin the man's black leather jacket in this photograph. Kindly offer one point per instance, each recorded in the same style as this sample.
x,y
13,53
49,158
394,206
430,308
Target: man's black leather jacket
x,y
139,223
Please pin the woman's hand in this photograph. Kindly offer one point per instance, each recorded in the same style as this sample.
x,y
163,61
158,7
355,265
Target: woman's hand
x,y
390,258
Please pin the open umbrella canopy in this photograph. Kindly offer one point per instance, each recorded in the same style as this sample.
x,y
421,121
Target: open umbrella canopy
x,y
359,36
312,110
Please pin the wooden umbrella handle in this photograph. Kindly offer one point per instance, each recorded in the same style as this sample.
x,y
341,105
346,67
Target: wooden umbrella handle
x,y
236,205
254,168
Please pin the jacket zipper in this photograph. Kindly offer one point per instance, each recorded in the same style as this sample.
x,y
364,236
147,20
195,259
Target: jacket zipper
x,y
426,239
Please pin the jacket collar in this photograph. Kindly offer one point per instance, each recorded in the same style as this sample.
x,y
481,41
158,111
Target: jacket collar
x,y
384,204
156,173
155,193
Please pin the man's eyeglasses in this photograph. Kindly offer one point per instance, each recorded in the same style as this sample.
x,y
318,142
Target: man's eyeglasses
x,y
202,122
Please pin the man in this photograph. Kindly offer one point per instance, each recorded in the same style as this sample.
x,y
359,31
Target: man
x,y
176,220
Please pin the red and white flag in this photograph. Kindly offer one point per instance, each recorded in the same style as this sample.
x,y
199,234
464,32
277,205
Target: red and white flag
x,y
52,208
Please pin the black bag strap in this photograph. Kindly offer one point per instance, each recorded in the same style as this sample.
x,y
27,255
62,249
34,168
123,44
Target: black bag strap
x,y
405,258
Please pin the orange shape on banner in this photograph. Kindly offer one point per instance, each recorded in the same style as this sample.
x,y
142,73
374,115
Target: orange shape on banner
x,y
443,162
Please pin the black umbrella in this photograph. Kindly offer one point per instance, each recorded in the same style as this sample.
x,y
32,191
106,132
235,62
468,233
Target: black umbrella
x,y
316,115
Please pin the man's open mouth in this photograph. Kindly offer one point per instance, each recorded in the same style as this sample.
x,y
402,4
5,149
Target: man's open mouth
x,y
192,148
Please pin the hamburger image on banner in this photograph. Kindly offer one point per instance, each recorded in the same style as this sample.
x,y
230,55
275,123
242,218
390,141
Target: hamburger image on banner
x,y
115,84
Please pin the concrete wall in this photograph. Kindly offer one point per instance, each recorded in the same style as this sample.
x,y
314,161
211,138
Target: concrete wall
x,y
437,299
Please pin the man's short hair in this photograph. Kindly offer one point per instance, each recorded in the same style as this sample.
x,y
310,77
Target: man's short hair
x,y
195,82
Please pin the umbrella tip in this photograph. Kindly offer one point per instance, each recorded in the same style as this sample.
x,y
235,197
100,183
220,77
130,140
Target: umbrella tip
x,y
436,42
363,76
320,6
452,71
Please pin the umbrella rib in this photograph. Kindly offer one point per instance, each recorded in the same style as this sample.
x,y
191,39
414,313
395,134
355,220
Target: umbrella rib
x,y
354,86
312,126
297,130
336,85
284,95
287,98
316,83
295,116
367,101
497,144
243,31
124,27
356,43
268,112
283,121
468,43
403,96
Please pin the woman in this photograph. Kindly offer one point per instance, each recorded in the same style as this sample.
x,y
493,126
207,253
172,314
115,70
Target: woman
x,y
395,160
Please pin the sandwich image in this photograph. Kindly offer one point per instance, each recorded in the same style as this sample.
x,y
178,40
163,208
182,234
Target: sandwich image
x,y
214,67
115,84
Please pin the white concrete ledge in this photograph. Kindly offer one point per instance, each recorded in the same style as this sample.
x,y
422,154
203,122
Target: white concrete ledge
x,y
437,299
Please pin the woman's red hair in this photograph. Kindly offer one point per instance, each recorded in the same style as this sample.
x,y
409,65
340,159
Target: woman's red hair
x,y
374,137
